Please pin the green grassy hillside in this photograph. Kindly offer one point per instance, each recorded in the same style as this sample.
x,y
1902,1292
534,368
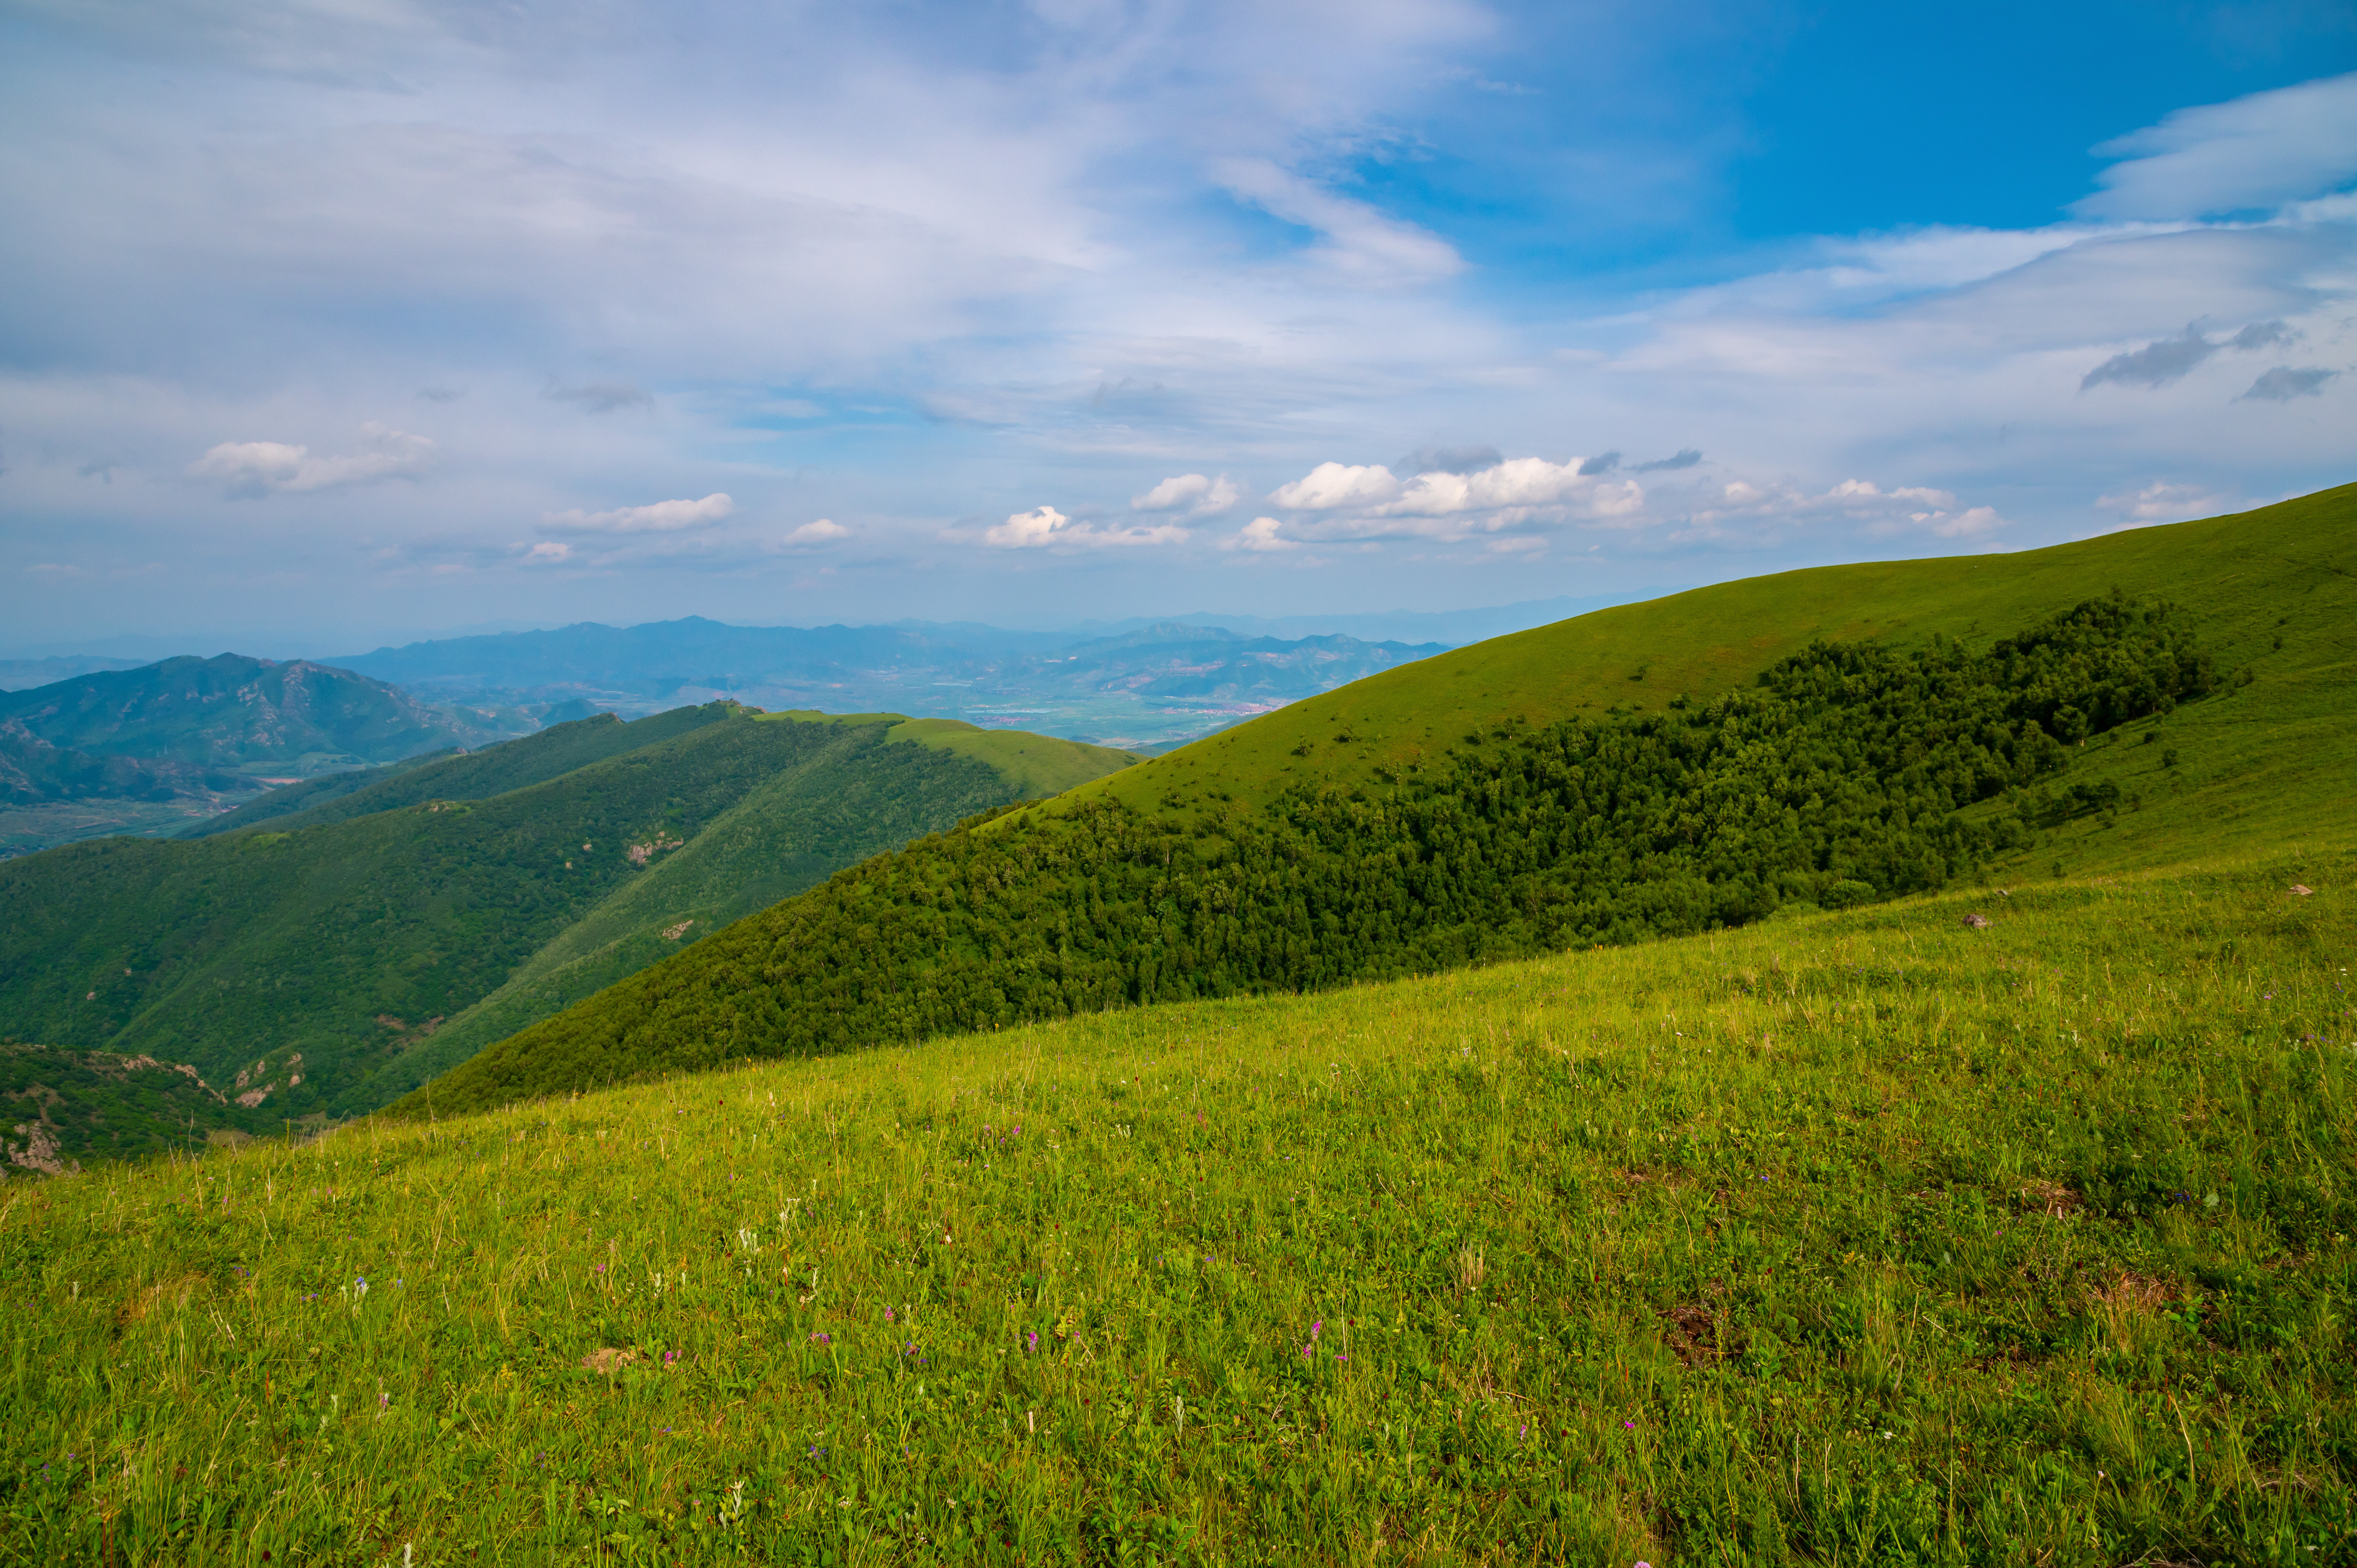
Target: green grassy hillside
x,y
1194,874
1856,1239
311,964
471,776
2268,589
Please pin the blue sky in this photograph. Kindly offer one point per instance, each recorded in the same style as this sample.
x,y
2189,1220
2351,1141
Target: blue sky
x,y
334,321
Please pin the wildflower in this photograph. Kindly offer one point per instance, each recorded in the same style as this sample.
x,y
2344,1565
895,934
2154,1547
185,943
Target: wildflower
x,y
822,1339
360,1287
1629,1424
669,1358
1034,1337
382,1399
888,1314
1317,1328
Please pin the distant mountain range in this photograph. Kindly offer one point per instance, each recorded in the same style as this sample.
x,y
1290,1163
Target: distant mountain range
x,y
172,741
251,715
1146,687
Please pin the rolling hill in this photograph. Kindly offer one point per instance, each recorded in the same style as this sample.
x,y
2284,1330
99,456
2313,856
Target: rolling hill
x,y
311,959
1271,857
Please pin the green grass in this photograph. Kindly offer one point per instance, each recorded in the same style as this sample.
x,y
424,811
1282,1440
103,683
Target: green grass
x,y
1867,1238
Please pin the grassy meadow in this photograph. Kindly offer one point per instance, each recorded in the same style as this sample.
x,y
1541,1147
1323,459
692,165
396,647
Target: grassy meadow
x,y
1875,1237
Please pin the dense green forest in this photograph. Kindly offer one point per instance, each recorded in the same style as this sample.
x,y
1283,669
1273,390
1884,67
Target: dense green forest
x,y
1840,777
61,1109
470,776
318,957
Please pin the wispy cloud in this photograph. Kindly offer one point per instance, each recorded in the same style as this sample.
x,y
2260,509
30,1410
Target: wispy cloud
x,y
661,516
2284,383
2255,154
1194,494
2162,501
2172,359
256,468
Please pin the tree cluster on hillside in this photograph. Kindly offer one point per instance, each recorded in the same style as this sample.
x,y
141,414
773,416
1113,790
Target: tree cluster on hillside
x,y
1837,779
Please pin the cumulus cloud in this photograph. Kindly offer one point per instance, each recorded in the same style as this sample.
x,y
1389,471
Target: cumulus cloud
x,y
824,531
1043,526
254,469
2284,383
2255,153
599,397
1260,534
1517,482
1194,494
2162,501
547,551
1370,502
1332,485
661,517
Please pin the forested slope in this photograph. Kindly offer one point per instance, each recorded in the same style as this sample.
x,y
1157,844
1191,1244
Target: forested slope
x,y
307,965
1350,858
473,775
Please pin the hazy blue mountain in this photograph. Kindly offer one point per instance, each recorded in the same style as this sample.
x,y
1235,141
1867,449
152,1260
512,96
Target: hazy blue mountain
x,y
243,714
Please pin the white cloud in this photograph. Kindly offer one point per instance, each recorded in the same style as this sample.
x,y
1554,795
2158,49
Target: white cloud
x,y
1361,243
661,517
2162,501
1332,485
820,532
1517,482
2255,153
1044,525
250,469
1196,495
1742,507
1370,502
1259,534
547,551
